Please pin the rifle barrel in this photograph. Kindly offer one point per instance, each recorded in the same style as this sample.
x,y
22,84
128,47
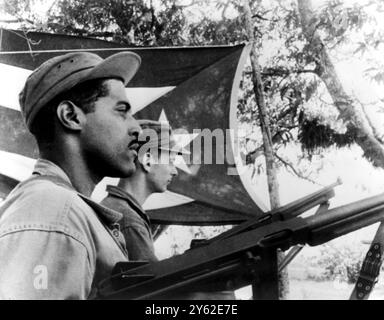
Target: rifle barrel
x,y
290,210
332,230
346,211
348,218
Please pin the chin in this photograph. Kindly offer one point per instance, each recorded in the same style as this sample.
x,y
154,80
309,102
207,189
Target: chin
x,y
130,170
160,189
123,172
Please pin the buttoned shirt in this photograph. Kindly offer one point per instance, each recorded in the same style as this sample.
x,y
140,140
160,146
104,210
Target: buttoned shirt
x,y
54,242
135,224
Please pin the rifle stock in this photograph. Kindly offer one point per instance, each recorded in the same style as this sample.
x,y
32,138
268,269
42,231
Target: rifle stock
x,y
235,261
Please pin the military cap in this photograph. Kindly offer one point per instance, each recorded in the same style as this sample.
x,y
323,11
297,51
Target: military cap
x,y
62,73
158,134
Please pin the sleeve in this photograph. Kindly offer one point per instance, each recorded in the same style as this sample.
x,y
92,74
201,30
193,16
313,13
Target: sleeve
x,y
38,264
139,242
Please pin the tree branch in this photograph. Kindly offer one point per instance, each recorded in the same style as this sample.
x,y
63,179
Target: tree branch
x,y
373,127
224,10
192,3
16,20
292,168
284,72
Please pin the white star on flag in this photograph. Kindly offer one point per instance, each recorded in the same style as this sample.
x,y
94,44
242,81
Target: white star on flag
x,y
182,140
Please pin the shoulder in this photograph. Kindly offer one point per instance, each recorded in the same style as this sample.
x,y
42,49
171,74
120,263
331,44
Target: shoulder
x,y
43,205
122,206
36,197
133,218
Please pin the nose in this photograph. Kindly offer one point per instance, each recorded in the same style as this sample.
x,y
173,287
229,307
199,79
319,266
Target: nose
x,y
174,171
134,128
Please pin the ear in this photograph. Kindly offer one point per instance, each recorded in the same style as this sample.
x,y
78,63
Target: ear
x,y
70,115
147,162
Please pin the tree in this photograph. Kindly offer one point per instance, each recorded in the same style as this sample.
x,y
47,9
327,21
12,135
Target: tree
x,y
351,113
127,22
273,185
133,23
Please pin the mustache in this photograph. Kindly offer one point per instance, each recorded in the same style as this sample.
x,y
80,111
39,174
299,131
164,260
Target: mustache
x,y
134,144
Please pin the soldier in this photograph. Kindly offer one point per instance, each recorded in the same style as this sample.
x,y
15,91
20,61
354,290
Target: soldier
x,y
155,170
55,242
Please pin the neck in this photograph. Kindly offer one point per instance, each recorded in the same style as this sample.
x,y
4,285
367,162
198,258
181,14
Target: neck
x,y
136,186
75,167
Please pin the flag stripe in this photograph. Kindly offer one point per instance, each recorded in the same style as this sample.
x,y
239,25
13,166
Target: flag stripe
x,y
15,78
161,67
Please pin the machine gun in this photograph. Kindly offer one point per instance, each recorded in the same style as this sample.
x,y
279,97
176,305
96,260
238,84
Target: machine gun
x,y
235,258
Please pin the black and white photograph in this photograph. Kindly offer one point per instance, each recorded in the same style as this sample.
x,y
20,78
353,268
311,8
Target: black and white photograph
x,y
213,150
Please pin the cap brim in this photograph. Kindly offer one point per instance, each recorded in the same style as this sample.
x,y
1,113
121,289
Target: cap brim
x,y
122,65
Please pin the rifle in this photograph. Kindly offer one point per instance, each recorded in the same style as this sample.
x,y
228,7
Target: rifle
x,y
286,212
234,259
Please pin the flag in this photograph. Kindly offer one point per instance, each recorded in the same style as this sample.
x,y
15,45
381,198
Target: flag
x,y
193,88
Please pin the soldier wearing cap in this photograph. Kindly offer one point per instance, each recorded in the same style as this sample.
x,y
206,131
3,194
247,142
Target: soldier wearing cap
x,y
55,242
155,171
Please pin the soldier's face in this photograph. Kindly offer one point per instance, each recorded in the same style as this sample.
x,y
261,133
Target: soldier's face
x,y
110,134
162,171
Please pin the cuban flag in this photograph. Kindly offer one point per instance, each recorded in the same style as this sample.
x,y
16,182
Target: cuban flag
x,y
192,88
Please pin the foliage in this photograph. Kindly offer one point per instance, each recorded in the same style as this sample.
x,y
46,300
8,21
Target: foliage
x,y
127,22
23,12
314,135
133,23
289,71
181,244
341,263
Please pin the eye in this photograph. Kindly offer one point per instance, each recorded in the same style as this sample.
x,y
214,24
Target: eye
x,y
123,111
122,108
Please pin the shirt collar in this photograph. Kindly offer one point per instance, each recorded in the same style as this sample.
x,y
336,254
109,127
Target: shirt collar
x,y
122,194
46,168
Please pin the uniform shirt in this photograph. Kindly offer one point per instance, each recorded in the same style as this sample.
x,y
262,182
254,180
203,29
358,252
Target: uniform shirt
x,y
135,227
135,224
54,242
